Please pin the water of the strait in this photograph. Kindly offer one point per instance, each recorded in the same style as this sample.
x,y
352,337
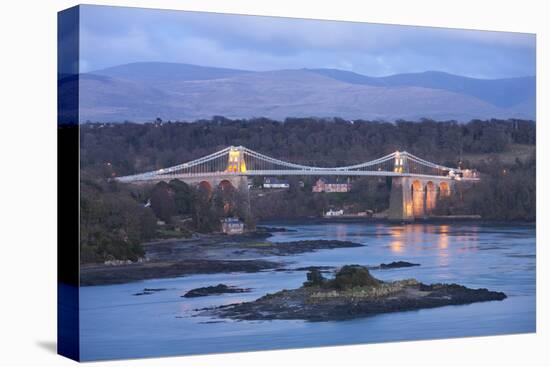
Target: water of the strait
x,y
116,324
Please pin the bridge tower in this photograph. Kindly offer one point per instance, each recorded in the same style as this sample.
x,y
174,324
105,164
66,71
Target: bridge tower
x,y
400,163
401,203
236,163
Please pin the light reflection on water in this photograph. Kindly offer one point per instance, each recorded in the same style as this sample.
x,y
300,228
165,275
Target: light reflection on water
x,y
116,324
397,241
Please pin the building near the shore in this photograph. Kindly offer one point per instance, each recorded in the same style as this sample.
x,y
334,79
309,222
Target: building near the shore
x,y
275,183
469,173
366,213
332,185
334,213
232,226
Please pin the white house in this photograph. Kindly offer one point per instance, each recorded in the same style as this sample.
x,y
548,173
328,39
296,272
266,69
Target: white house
x,y
275,183
232,226
334,213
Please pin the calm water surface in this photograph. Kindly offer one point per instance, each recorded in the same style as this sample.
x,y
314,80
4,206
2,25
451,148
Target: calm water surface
x,y
117,324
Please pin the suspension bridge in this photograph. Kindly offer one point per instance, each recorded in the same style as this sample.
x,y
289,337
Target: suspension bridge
x,y
242,161
416,183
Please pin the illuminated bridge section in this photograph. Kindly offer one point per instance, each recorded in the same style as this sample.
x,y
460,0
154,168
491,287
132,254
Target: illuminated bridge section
x,y
241,161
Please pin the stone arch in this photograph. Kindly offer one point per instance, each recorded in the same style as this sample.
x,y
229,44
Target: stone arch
x,y
444,189
431,197
206,188
226,190
226,185
417,194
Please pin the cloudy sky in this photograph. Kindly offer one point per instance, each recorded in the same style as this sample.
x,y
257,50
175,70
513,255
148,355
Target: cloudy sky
x,y
112,36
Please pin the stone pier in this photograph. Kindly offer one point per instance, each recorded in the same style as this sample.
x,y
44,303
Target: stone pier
x,y
416,197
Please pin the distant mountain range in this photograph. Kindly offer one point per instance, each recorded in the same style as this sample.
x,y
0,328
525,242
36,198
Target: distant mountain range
x,y
141,92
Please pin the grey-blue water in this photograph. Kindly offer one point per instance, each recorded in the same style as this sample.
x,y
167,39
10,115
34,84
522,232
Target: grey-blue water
x,y
117,324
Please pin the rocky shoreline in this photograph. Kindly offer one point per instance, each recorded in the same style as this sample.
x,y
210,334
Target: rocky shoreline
x,y
104,275
352,293
205,254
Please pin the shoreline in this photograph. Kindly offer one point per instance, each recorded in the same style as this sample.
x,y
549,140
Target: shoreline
x,y
206,254
367,220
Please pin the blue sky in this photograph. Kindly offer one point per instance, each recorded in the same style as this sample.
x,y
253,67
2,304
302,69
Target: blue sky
x,y
115,35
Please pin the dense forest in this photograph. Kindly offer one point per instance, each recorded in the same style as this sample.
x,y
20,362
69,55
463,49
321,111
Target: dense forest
x,y
116,218
113,221
507,192
132,148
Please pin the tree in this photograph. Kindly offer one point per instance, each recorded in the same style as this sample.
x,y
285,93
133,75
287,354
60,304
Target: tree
x,y
314,278
184,197
112,223
162,201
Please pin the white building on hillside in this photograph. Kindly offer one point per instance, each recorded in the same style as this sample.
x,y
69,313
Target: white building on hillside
x,y
334,213
275,183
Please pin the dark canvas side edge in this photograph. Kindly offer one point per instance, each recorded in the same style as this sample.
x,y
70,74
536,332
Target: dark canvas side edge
x,y
68,262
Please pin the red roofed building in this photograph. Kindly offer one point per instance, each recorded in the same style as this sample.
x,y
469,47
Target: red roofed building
x,y
332,185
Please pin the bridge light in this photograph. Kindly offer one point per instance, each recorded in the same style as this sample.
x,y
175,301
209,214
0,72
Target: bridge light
x,y
398,164
236,161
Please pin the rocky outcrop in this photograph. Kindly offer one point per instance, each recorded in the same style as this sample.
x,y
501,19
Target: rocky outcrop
x,y
214,290
136,272
397,264
148,291
352,293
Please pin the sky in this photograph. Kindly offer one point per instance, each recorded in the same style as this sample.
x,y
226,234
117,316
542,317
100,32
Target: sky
x,y
112,36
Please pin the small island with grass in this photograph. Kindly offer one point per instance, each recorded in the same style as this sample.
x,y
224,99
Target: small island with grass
x,y
352,293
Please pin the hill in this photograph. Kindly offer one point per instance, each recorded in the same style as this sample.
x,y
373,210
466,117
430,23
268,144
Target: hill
x,y
144,91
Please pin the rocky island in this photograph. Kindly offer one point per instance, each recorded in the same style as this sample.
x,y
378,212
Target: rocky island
x,y
214,290
352,293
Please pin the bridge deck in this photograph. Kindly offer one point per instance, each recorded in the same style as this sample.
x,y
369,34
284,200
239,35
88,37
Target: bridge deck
x,y
205,176
243,162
